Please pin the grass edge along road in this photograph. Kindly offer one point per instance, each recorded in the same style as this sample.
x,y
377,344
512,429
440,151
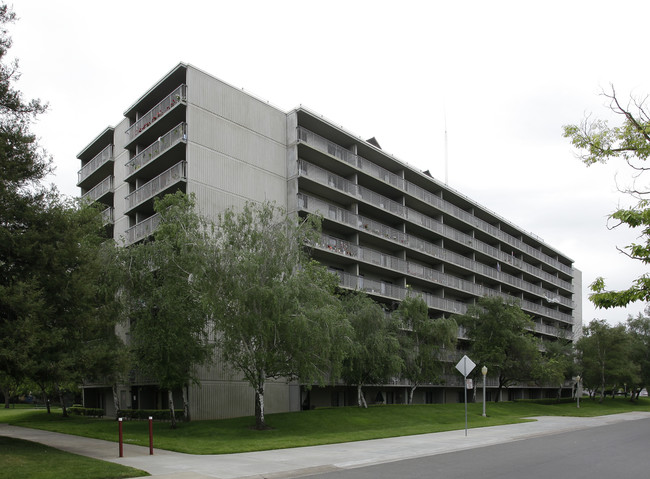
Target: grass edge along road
x,y
316,427
30,460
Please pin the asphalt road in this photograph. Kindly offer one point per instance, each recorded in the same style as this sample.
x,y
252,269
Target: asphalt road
x,y
618,451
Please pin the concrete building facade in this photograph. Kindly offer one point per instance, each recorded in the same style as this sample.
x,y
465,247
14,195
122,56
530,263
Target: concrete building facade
x,y
386,225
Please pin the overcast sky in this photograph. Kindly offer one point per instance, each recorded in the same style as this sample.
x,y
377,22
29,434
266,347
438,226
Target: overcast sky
x,y
503,76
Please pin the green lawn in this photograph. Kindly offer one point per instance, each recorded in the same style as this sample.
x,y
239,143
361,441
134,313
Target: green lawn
x,y
320,426
28,460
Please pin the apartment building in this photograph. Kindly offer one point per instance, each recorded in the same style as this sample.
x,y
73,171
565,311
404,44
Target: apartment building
x,y
386,225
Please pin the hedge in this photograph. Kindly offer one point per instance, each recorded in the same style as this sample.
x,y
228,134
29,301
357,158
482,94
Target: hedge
x,y
158,414
86,411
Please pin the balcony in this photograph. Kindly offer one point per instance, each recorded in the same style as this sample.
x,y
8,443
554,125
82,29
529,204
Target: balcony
x,y
107,216
174,175
176,135
157,115
359,223
415,270
142,230
101,191
325,178
325,146
94,165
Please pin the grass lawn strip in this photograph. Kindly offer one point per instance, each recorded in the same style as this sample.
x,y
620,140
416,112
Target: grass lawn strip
x,y
316,427
29,460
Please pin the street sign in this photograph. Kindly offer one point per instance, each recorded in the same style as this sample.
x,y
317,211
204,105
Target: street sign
x,y
465,366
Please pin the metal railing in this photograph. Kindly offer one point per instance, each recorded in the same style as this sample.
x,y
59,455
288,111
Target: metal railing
x,y
89,168
143,229
317,206
378,172
324,177
157,148
171,101
150,189
107,216
368,255
105,186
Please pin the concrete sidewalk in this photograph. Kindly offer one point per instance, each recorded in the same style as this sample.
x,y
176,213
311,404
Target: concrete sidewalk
x,y
308,460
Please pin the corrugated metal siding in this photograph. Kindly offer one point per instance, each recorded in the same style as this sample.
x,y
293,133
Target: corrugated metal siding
x,y
229,102
222,136
222,399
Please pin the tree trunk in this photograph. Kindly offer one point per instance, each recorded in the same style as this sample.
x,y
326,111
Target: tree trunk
x,y
116,400
46,400
61,400
361,400
411,393
6,393
172,415
259,408
186,405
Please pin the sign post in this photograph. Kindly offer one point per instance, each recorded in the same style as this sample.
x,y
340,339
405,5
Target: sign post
x,y
465,366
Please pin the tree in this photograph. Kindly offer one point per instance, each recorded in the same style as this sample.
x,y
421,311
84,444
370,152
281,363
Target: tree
x,y
603,355
23,165
557,364
374,351
162,292
275,311
500,339
66,248
630,142
423,342
638,330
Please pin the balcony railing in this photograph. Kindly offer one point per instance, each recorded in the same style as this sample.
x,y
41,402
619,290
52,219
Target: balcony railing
x,y
371,256
324,177
376,171
170,102
157,148
93,165
161,182
358,222
142,230
107,216
106,186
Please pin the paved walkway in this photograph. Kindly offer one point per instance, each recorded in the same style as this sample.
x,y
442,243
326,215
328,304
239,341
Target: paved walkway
x,y
303,461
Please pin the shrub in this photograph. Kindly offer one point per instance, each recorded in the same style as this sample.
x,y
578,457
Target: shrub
x,y
86,411
157,414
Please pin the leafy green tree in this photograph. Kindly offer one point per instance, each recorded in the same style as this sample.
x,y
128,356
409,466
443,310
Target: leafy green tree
x,y
638,329
603,356
500,338
162,293
557,364
374,350
23,165
274,309
423,341
598,142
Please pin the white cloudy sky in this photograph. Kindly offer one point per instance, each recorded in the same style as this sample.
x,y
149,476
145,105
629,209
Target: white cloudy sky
x,y
506,75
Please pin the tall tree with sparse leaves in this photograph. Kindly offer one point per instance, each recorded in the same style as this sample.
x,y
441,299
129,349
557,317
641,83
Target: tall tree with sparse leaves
x,y
168,319
374,350
424,342
500,338
603,356
598,142
638,330
274,308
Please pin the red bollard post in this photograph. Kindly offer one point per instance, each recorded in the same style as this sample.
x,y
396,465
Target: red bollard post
x,y
150,436
121,441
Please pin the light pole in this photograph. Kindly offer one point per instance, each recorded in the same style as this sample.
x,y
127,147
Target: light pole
x,y
484,372
578,391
